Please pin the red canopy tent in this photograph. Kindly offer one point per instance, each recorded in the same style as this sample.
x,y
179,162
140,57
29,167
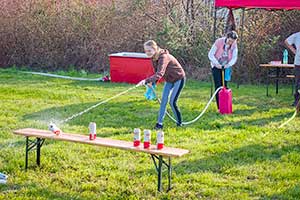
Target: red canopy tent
x,y
267,4
263,4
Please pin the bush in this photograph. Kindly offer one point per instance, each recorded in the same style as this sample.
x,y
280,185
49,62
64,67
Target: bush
x,y
47,36
44,35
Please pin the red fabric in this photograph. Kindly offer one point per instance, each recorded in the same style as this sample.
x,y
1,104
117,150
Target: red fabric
x,y
268,4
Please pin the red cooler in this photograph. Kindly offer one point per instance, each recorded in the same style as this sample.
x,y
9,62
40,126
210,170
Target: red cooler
x,y
130,67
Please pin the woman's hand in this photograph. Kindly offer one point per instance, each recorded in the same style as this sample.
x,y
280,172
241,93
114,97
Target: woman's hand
x,y
219,66
142,82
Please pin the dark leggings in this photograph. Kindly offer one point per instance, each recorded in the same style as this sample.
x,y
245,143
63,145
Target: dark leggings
x,y
175,90
297,83
217,74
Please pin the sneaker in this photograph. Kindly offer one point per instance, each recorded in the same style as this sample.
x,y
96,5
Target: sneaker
x,y
179,125
158,126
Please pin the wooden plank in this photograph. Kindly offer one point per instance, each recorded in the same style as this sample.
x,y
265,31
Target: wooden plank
x,y
106,142
278,65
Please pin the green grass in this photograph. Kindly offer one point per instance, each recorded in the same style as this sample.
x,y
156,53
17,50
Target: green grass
x,y
240,156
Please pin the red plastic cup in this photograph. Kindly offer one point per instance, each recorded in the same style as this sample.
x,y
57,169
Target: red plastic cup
x,y
92,129
160,139
92,137
160,146
136,143
137,137
147,139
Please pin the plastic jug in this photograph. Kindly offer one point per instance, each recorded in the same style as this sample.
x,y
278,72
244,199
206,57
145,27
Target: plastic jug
x,y
150,92
225,98
225,101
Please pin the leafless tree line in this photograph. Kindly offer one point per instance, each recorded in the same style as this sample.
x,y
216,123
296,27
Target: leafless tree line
x,y
50,35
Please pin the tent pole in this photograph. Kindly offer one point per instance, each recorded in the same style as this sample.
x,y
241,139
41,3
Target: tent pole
x,y
214,39
242,46
215,24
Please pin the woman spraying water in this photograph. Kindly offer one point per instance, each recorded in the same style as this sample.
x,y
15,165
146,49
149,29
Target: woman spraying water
x,y
167,67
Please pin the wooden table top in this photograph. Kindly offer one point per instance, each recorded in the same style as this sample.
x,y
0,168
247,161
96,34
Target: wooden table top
x,y
278,65
106,142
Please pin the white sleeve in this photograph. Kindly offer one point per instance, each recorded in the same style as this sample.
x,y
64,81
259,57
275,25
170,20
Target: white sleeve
x,y
211,55
234,57
291,39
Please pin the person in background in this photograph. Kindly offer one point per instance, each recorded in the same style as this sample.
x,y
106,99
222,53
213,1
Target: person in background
x,y
166,66
223,53
293,43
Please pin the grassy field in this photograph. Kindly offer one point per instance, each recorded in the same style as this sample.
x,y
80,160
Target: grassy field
x,y
240,156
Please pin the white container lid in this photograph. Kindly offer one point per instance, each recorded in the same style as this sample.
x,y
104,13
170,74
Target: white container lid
x,y
130,54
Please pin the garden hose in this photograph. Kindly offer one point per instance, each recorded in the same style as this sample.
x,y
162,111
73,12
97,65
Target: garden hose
x,y
294,115
200,115
65,77
98,104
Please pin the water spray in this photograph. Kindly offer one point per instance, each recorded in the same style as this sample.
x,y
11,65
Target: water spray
x,y
53,128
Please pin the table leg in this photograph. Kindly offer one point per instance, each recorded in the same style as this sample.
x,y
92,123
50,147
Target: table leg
x,y
31,144
267,85
26,153
159,174
158,163
277,79
169,174
38,151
